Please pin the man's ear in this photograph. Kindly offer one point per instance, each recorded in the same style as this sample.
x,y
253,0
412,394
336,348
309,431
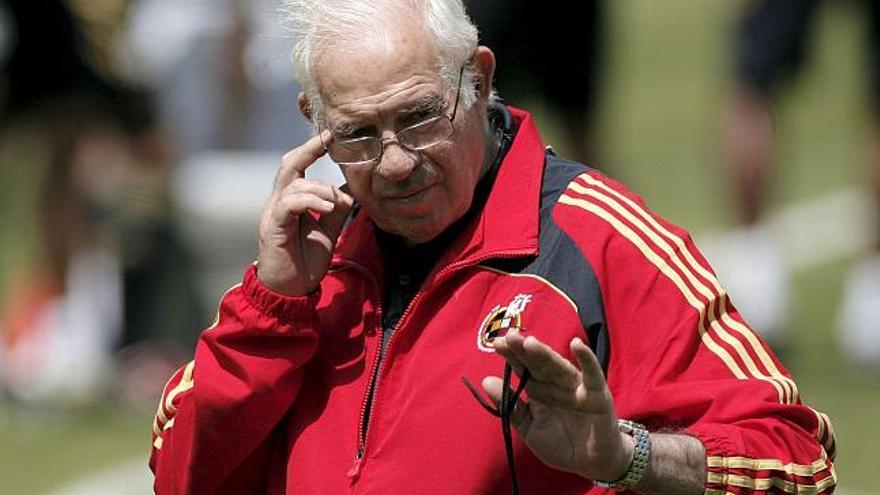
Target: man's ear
x,y
304,107
484,65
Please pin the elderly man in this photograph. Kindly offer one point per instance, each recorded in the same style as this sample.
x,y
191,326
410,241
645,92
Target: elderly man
x,y
458,250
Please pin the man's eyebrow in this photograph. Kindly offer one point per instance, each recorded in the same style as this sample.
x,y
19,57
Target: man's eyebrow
x,y
428,103
343,128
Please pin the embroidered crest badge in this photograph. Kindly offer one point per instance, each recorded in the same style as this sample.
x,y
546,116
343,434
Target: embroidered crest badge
x,y
501,320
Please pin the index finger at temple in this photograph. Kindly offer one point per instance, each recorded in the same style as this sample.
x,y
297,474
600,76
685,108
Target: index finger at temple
x,y
296,161
593,377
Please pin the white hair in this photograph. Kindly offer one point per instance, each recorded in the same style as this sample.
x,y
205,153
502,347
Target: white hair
x,y
318,24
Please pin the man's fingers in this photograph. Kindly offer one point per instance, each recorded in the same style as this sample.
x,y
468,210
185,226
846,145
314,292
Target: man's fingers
x,y
304,195
288,208
508,355
521,418
555,380
593,378
551,394
545,364
502,347
296,161
332,222
320,189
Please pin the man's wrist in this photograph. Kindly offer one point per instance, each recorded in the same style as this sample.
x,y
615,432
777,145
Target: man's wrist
x,y
626,458
274,303
638,449
287,289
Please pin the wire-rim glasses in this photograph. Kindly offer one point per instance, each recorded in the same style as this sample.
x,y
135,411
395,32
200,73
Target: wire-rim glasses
x,y
367,150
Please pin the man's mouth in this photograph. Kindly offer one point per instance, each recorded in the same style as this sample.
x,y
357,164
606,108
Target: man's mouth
x,y
409,195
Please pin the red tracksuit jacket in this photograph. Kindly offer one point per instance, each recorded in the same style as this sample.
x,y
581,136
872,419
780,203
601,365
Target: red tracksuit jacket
x,y
274,401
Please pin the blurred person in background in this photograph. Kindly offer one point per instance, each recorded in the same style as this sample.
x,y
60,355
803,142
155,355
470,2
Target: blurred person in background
x,y
132,92
530,66
772,44
460,247
106,255
218,67
225,93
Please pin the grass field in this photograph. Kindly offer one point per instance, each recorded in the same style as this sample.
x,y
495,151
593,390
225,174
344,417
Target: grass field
x,y
662,106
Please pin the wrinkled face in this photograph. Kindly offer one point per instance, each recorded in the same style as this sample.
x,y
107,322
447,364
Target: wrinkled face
x,y
378,89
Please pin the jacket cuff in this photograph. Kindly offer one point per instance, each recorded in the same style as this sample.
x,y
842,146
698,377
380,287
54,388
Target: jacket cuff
x,y
719,449
274,304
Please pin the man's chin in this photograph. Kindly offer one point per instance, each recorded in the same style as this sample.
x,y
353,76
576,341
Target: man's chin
x,y
415,230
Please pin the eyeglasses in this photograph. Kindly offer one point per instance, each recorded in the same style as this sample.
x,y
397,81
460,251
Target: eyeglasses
x,y
367,151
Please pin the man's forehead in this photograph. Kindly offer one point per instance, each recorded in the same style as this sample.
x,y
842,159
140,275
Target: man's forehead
x,y
369,64
383,88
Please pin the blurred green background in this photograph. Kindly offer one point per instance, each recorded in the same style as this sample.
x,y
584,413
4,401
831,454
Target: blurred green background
x,y
662,105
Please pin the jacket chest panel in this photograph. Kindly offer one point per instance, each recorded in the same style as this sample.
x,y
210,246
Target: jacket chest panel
x,y
420,406
449,337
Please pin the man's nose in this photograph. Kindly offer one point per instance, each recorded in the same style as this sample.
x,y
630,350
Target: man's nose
x,y
396,162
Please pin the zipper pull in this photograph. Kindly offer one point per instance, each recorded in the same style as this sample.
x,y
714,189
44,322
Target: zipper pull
x,y
355,470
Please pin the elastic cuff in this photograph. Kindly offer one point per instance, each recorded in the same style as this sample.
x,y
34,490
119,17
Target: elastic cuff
x,y
718,448
715,444
274,304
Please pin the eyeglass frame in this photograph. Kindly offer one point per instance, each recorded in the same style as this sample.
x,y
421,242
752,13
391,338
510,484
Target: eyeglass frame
x,y
383,141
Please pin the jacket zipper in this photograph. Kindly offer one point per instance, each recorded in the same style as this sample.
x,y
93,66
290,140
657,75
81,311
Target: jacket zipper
x,y
355,469
376,371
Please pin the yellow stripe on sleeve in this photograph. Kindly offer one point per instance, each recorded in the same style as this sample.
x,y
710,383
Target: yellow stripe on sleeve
x,y
691,298
743,330
718,296
764,484
666,270
186,383
790,469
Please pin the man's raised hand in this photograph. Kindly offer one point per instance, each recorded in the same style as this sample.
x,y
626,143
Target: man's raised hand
x,y
568,420
300,224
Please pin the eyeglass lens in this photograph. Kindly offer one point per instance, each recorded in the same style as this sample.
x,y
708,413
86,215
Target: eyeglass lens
x,y
414,138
